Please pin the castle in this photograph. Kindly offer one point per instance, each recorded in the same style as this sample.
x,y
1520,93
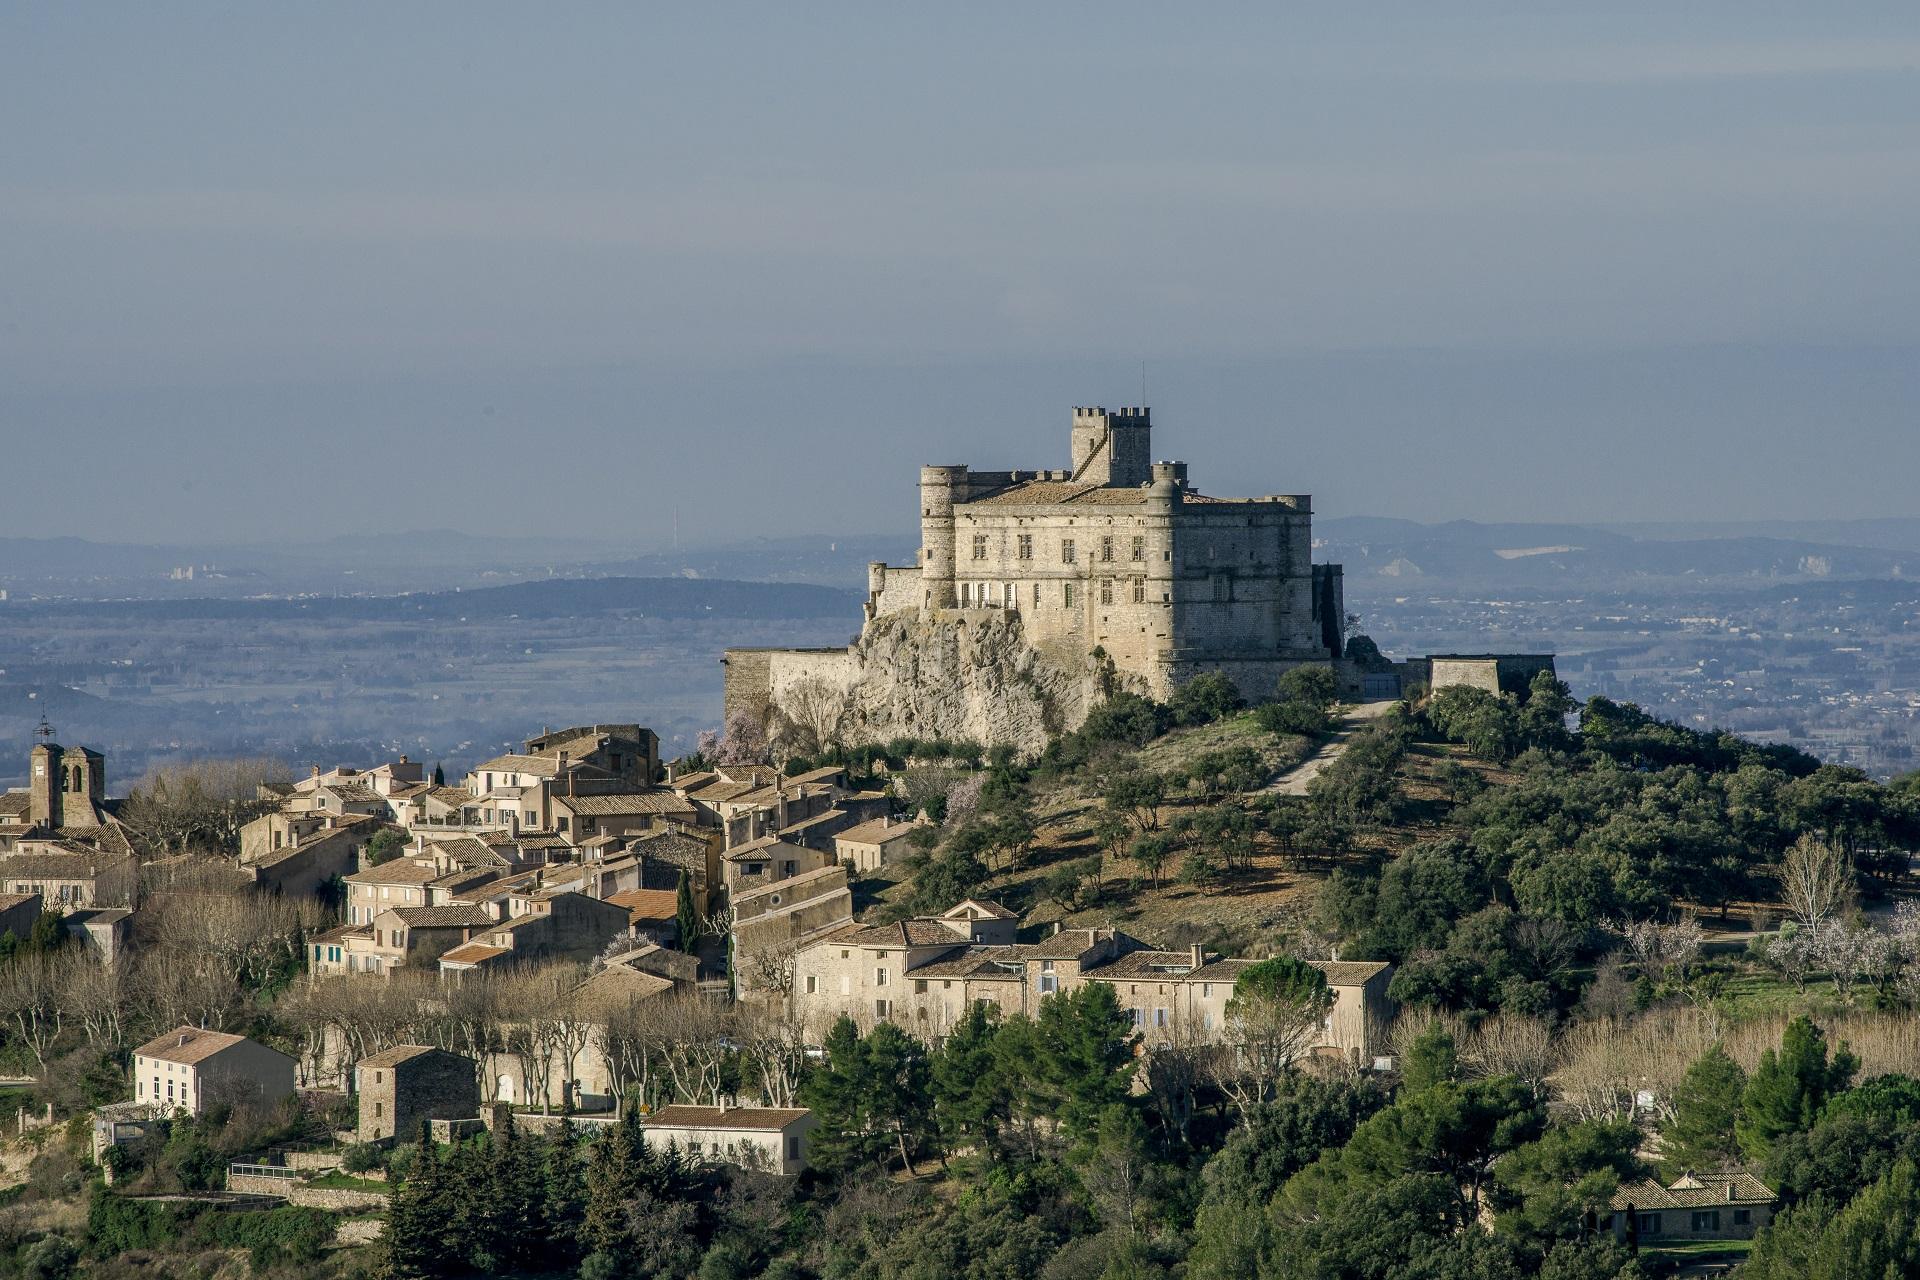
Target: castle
x,y
1123,554
1116,556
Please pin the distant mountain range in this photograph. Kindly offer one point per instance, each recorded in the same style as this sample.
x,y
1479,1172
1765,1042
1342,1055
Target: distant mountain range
x,y
1380,552
1376,550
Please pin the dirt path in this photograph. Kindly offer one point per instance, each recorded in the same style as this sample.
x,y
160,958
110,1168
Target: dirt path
x,y
1352,719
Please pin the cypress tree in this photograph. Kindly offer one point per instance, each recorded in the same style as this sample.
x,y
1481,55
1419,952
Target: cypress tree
x,y
685,917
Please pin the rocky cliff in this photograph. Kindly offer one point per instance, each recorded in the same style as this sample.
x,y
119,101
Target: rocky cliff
x,y
964,673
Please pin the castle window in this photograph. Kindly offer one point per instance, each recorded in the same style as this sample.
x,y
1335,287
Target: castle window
x,y
1139,549
1139,591
1025,551
979,546
1010,594
1106,591
1106,550
1066,551
1066,597
966,593
1036,594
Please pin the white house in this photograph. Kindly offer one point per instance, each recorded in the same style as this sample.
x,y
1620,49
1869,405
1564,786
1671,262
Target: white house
x,y
188,1069
774,1139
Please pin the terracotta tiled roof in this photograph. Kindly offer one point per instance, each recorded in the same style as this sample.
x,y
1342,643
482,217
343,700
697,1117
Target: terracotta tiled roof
x,y
187,1045
61,865
686,1117
1695,1191
766,847
472,953
615,805
448,917
8,901
907,933
647,904
398,871
982,907
398,1054
16,803
1349,973
879,831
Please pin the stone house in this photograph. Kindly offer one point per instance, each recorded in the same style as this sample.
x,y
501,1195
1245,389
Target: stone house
x,y
628,752
578,819
103,931
67,874
924,975
771,923
300,854
652,914
771,1139
411,1083
1703,1206
397,938
189,1069
767,860
543,925
401,882
878,843
18,914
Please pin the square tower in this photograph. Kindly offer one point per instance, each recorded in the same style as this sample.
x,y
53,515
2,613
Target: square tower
x,y
1113,449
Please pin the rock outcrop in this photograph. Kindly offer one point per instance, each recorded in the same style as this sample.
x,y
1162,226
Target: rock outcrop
x,y
951,673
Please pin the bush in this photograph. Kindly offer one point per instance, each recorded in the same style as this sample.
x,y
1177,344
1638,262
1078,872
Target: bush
x,y
1205,699
1287,718
360,1157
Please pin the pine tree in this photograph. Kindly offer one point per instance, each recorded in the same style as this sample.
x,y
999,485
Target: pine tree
x,y
896,1081
1083,1058
836,1092
563,1194
1706,1108
413,1244
1431,1059
970,1095
1789,1087
609,1184
686,918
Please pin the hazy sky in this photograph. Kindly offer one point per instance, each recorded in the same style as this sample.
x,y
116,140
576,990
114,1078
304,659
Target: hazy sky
x,y
279,271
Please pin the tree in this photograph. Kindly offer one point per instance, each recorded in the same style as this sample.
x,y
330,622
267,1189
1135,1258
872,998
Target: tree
x,y
1432,1059
1139,794
1788,1088
870,1094
1204,699
686,915
413,1243
1151,851
1550,1188
1079,1058
970,1095
1274,1015
1706,1109
1816,882
1312,686
201,805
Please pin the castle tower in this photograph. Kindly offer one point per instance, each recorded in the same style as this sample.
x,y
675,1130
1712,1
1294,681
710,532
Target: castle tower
x,y
1113,449
937,485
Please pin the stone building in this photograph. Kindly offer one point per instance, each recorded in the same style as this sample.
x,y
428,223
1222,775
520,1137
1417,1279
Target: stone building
x,y
189,1069
409,1083
1115,554
924,974
768,1139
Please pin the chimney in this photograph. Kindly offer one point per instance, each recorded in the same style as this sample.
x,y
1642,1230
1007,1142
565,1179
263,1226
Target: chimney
x,y
184,1037
316,770
1198,956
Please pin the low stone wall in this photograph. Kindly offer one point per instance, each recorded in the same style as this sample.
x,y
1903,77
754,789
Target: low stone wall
x,y
321,1160
337,1199
255,1185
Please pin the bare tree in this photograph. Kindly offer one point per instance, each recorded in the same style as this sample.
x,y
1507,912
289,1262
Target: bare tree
x,y
1515,1046
32,991
200,804
1663,950
1816,882
98,995
771,1040
690,1037
808,716
1794,953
